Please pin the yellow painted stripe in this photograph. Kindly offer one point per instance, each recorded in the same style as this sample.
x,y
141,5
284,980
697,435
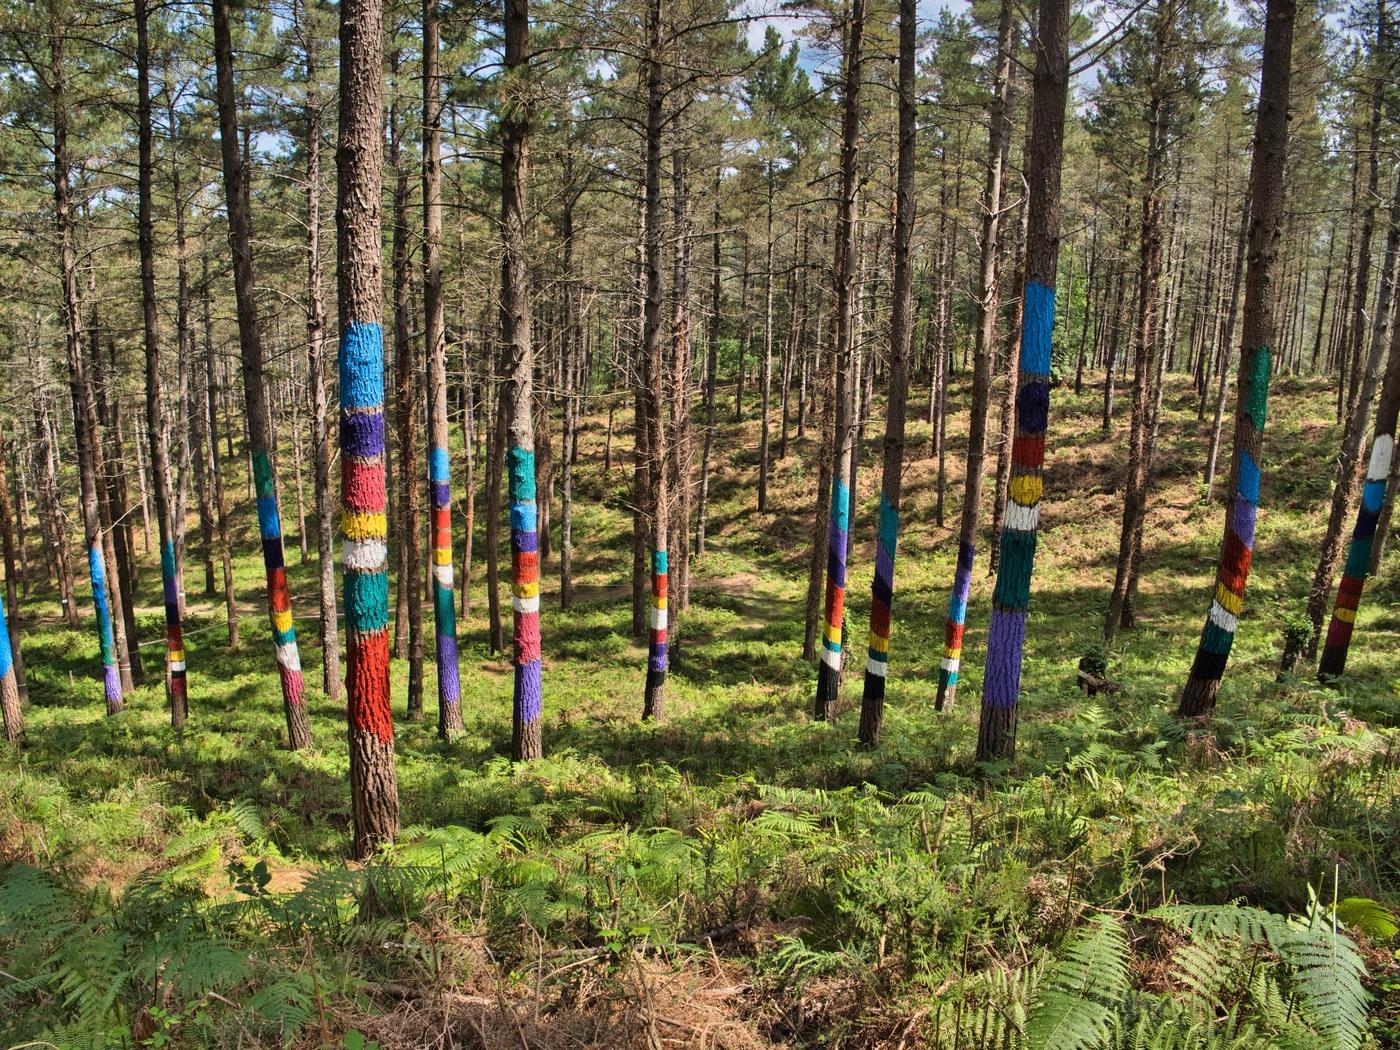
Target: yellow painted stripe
x,y
879,644
526,590
282,620
833,634
442,556
363,526
953,654
1345,615
177,656
658,603
1026,489
1229,601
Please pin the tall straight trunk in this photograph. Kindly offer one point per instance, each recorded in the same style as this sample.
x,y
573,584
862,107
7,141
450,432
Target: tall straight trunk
x,y
745,331
1266,183
1350,466
1009,415
872,712
1314,360
654,701
765,375
157,430
316,392
211,450
52,520
1001,679
711,368
681,453
449,687
988,306
569,350
1377,500
516,339
844,294
495,464
821,517
84,413
1088,297
1145,346
203,484
469,447
408,637
262,437
374,792
640,471
184,350
1227,342
1360,298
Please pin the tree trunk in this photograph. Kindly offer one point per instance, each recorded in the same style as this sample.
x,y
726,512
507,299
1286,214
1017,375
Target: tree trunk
x,y
84,414
988,306
765,376
1251,406
319,400
653,705
449,688
1001,680
262,438
872,712
1227,344
1350,466
157,431
711,368
216,477
13,689
374,794
844,294
516,338
1145,346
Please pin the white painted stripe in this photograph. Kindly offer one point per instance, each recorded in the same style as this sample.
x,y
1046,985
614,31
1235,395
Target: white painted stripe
x,y
177,665
658,619
1223,618
443,575
289,657
1021,519
876,667
953,663
526,605
1381,451
365,555
831,658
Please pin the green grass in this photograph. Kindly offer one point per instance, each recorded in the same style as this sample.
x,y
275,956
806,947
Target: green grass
x,y
854,895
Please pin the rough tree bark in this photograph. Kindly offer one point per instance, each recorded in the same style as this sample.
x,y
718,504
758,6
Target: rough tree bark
x,y
374,793
1252,390
262,437
1001,680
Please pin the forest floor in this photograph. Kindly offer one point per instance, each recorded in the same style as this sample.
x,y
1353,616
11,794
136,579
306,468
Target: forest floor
x,y
739,875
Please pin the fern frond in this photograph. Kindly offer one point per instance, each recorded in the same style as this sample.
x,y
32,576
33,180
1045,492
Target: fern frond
x,y
1075,999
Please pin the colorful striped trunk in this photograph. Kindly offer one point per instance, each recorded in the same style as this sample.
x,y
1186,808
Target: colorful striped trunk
x,y
829,669
284,635
881,599
525,600
1006,635
111,676
1232,572
953,629
9,687
1363,536
174,636
660,621
444,613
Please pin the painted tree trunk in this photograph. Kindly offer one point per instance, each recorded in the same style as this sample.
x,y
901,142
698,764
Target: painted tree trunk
x,y
374,794
11,720
262,438
517,339
844,293
84,414
1252,398
988,305
449,686
872,713
11,596
1001,680
157,432
1376,497
1350,466
654,699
